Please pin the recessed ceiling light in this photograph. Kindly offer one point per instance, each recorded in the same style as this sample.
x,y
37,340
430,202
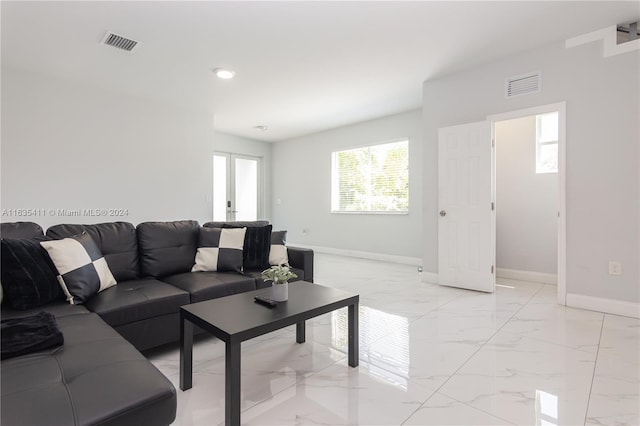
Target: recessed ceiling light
x,y
223,73
261,128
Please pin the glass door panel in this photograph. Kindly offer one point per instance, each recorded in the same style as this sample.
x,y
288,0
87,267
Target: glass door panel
x,y
246,193
220,187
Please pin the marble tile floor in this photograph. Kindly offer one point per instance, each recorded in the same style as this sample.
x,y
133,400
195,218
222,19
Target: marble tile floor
x,y
429,355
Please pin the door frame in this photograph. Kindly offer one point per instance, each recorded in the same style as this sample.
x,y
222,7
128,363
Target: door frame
x,y
560,107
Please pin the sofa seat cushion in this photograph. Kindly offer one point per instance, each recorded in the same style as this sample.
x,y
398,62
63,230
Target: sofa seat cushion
x,y
96,377
210,285
137,300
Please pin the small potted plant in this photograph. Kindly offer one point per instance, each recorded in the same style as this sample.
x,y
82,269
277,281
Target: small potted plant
x,y
280,276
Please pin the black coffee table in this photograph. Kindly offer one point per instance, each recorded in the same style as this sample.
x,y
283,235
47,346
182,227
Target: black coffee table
x,y
237,318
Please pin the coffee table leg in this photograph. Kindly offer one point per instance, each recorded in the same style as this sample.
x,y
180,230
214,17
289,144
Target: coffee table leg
x,y
232,384
301,333
186,353
354,355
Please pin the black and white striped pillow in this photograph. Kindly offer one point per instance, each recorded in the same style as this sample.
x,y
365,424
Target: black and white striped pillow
x,y
220,250
82,269
278,254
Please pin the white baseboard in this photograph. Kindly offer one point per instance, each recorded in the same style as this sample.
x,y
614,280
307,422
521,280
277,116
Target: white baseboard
x,y
536,277
430,277
404,260
599,304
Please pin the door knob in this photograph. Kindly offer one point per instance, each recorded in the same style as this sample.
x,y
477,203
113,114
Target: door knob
x,y
443,213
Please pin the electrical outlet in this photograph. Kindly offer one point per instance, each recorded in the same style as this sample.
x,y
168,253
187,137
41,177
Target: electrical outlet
x,y
615,268
305,230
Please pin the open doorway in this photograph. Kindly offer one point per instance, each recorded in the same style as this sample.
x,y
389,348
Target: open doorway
x,y
529,181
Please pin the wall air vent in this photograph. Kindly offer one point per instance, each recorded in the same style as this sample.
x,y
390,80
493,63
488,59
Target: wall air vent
x,y
523,84
627,34
114,40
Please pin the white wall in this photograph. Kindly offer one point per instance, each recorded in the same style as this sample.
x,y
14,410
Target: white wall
x,y
526,201
70,146
302,184
224,142
602,107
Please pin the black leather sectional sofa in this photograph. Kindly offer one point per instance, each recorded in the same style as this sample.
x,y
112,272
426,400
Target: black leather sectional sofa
x,y
98,376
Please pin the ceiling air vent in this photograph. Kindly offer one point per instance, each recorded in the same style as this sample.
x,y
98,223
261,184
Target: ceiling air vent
x,y
119,42
523,84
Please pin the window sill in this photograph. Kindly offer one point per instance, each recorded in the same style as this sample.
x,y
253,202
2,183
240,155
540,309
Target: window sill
x,y
371,213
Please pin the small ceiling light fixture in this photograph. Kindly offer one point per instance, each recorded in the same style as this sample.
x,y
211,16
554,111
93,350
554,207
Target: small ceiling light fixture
x,y
262,128
224,73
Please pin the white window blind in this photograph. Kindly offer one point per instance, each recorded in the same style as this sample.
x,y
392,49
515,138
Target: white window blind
x,y
371,179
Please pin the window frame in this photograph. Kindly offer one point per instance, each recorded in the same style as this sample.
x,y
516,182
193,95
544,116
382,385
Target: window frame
x,y
335,181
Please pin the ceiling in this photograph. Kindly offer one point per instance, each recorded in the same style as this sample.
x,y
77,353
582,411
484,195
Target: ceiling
x,y
301,67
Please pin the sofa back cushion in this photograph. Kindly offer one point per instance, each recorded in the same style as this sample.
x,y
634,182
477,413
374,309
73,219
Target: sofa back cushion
x,y
116,240
19,230
238,224
167,247
257,242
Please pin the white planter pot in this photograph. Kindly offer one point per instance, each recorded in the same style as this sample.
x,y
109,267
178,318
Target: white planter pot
x,y
280,292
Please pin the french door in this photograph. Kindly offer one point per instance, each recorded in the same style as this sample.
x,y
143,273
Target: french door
x,y
237,187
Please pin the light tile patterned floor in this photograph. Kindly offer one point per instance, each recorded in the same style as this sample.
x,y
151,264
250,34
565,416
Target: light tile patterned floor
x,y
429,355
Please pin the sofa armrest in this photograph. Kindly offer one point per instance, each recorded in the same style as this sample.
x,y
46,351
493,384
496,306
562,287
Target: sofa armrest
x,y
301,258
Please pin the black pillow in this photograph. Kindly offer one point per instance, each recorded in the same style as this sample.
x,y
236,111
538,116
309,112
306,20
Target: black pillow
x,y
257,244
28,274
22,336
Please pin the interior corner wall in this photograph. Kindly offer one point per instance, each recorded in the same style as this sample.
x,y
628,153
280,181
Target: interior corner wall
x,y
70,150
602,144
526,201
232,144
302,191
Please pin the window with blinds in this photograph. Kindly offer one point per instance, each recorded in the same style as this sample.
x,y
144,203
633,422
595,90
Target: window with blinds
x,y
371,179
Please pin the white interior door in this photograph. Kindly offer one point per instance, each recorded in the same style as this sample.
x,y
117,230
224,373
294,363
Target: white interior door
x,y
236,187
466,244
